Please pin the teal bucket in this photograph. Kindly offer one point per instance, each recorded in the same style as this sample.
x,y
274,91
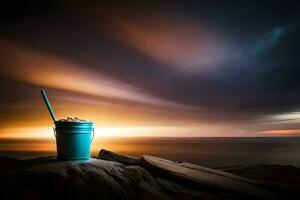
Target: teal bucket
x,y
73,140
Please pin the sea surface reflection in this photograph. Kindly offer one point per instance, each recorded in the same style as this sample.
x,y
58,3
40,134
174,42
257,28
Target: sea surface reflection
x,y
213,152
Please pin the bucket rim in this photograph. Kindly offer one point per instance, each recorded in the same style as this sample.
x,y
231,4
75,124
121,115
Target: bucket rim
x,y
73,123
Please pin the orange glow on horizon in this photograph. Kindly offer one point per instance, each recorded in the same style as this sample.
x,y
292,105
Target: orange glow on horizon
x,y
102,132
46,132
281,132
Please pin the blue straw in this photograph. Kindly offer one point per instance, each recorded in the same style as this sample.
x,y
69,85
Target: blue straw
x,y
48,104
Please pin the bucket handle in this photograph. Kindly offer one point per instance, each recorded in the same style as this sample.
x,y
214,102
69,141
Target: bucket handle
x,y
54,130
93,135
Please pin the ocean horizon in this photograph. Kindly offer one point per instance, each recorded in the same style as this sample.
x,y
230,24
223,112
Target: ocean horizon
x,y
206,151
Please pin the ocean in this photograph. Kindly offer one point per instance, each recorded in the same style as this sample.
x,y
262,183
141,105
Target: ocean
x,y
211,152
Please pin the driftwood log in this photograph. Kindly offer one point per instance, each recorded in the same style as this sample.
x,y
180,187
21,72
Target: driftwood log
x,y
111,156
206,180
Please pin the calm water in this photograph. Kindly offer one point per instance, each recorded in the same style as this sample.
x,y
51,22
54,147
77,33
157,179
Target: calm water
x,y
213,152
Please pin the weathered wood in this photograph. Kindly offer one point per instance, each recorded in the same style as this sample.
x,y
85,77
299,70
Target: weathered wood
x,y
201,179
111,156
260,183
220,173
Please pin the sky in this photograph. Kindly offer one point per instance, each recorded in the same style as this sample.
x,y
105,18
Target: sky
x,y
151,68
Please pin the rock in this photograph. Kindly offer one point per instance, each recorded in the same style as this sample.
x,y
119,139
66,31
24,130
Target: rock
x,y
274,173
282,180
146,178
205,180
148,192
78,180
149,187
10,164
139,174
111,156
181,192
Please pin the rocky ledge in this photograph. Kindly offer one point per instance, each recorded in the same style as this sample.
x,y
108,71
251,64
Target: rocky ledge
x,y
114,176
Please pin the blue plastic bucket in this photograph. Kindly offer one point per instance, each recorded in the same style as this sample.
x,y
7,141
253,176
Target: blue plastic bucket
x,y
73,140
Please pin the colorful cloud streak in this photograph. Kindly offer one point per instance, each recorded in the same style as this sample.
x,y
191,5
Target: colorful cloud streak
x,y
35,67
162,38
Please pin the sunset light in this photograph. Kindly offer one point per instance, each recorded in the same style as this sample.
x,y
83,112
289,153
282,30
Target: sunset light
x,y
281,132
159,99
